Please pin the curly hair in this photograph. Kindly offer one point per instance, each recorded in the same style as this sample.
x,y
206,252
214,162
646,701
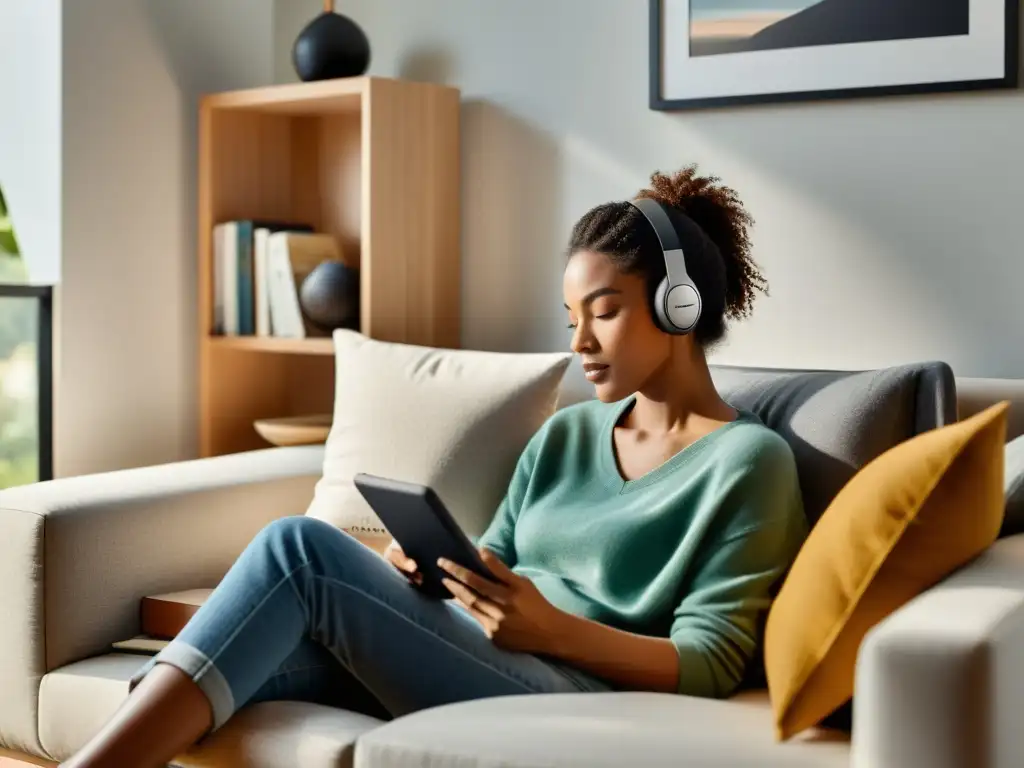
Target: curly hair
x,y
723,270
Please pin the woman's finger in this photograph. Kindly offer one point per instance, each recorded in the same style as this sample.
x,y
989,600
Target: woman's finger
x,y
498,593
401,561
490,626
473,602
497,566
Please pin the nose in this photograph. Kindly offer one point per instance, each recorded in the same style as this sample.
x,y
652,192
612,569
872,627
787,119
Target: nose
x,y
582,339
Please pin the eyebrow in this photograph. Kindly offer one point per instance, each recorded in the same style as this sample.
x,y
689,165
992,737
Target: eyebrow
x,y
596,294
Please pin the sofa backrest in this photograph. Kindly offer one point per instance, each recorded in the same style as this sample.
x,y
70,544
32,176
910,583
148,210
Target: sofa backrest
x,y
976,394
838,421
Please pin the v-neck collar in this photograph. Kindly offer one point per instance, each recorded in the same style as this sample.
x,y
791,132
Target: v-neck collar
x,y
610,462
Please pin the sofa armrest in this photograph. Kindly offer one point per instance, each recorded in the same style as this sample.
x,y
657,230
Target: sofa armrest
x,y
77,555
941,681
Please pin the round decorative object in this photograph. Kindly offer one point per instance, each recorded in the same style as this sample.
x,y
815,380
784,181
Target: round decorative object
x,y
329,296
331,46
295,430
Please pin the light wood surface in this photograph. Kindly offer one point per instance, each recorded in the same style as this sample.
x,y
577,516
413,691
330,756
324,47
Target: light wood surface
x,y
323,346
411,216
295,430
10,759
317,98
372,161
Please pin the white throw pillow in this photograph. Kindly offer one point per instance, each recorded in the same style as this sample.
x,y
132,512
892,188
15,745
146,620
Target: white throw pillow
x,y
454,419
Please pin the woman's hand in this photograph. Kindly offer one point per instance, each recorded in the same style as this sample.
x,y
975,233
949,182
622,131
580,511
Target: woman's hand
x,y
514,614
405,564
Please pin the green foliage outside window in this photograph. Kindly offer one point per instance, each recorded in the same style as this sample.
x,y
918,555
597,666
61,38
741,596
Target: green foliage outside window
x,y
8,242
19,438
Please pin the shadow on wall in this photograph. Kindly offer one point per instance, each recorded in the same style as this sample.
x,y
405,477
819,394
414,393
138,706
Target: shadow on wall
x,y
215,46
513,220
935,182
205,51
428,64
512,239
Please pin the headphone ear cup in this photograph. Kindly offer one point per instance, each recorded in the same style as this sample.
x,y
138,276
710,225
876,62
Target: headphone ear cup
x,y
660,306
677,309
682,307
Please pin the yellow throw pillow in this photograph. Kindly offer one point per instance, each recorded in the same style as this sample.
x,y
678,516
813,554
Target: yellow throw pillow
x,y
905,521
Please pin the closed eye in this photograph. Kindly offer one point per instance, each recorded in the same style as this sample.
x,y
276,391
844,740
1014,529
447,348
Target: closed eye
x,y
606,316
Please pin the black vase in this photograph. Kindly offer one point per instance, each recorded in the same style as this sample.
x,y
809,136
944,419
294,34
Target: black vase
x,y
329,296
331,46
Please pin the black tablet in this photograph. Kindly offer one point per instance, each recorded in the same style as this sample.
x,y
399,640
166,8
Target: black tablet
x,y
415,515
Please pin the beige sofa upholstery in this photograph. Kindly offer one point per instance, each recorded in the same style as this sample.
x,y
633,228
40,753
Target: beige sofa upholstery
x,y
938,682
77,555
598,731
941,682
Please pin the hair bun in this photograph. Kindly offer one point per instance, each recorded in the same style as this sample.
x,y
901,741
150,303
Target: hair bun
x,y
717,210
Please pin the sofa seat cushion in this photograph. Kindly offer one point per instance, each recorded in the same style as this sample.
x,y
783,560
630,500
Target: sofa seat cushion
x,y
75,701
282,734
599,729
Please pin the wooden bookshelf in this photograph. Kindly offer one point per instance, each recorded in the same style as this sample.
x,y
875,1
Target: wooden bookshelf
x,y
269,344
374,162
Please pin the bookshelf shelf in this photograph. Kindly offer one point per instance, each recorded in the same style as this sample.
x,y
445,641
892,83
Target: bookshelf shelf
x,y
270,344
374,162
321,98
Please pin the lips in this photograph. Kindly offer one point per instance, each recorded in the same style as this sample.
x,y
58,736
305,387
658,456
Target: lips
x,y
595,372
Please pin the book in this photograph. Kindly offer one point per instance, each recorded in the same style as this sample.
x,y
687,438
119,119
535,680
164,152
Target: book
x,y
246,278
225,279
164,615
149,646
262,300
241,306
291,256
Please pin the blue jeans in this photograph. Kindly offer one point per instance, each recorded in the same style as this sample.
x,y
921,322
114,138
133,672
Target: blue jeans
x,y
308,613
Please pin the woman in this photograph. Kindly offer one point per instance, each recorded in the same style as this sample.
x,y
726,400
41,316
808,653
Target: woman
x,y
638,545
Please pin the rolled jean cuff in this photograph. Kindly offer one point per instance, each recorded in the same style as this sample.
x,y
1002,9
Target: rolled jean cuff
x,y
202,671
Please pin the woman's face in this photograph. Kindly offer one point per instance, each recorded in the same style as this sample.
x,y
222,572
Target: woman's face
x,y
613,332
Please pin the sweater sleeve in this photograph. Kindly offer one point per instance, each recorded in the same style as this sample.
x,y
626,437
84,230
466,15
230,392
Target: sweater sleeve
x,y
758,527
499,537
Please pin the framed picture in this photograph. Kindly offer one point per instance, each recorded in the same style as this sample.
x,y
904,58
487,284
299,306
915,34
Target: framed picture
x,y
707,53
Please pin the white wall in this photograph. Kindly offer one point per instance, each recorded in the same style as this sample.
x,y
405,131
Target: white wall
x,y
889,230
132,73
30,107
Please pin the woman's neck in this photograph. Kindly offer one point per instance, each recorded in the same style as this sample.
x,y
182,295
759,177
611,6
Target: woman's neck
x,y
680,393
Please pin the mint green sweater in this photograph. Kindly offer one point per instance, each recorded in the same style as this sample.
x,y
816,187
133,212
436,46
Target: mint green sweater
x,y
693,551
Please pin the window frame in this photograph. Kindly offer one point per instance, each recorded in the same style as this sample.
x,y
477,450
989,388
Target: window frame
x,y
44,362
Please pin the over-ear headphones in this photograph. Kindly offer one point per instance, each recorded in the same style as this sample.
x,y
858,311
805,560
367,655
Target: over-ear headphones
x,y
676,300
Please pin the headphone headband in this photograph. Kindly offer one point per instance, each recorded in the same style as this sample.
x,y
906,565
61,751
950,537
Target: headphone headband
x,y
668,236
663,228
677,302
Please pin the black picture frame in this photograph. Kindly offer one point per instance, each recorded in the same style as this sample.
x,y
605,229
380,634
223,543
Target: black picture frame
x,y
1009,80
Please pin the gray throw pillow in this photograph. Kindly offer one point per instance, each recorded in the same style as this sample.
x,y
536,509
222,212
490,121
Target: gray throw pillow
x,y
836,422
1013,483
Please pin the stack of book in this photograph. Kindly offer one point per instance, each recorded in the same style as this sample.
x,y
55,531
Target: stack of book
x,y
258,269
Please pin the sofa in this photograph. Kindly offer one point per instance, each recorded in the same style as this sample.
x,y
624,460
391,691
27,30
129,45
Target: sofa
x,y
939,683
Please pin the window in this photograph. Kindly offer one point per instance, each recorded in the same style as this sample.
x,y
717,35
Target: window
x,y
26,368
26,453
